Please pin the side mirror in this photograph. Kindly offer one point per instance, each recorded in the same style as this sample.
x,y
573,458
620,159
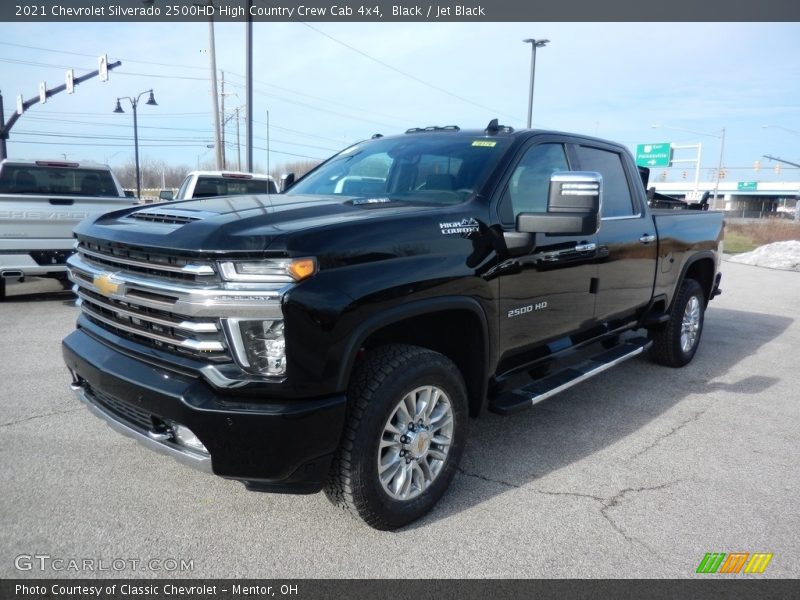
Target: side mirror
x,y
165,195
287,179
573,205
130,194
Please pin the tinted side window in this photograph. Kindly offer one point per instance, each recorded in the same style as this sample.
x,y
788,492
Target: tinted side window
x,y
617,200
529,184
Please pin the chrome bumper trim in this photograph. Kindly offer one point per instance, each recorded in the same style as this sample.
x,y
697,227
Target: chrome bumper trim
x,y
186,457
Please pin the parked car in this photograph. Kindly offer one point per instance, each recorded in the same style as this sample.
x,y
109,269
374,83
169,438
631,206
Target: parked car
x,y
206,184
40,202
335,339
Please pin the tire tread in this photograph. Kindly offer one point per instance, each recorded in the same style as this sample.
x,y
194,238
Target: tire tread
x,y
380,364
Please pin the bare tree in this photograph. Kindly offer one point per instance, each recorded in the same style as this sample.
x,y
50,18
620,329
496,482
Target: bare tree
x,y
299,168
151,171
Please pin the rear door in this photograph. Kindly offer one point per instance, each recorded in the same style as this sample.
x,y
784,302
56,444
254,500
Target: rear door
x,y
544,294
627,244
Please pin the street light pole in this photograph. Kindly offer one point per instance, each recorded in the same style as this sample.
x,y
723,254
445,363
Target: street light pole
x,y
719,165
151,101
534,44
249,91
202,154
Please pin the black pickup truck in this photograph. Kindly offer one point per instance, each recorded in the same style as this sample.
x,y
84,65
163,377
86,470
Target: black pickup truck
x,y
340,334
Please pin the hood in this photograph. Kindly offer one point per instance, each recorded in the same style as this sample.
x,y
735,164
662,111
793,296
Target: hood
x,y
233,224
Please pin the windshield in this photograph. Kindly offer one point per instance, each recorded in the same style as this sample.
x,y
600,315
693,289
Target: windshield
x,y
440,169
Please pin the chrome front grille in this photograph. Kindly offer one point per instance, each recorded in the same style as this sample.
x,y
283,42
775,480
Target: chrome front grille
x,y
157,328
142,296
113,257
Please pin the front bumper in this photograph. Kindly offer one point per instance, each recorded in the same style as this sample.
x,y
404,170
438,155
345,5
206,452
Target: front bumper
x,y
276,446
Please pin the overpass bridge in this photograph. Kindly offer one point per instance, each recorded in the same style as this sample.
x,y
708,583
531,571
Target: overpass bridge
x,y
748,199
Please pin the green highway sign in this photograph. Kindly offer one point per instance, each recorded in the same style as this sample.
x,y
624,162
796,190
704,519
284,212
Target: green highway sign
x,y
747,186
654,155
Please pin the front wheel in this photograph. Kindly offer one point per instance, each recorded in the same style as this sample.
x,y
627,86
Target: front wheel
x,y
675,344
404,436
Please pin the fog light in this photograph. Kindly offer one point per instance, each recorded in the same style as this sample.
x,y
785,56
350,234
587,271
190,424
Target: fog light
x,y
185,437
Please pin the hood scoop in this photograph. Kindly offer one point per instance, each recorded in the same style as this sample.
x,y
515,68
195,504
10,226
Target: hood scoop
x,y
169,216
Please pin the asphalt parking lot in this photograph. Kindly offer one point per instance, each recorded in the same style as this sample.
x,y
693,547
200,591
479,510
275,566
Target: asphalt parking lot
x,y
636,473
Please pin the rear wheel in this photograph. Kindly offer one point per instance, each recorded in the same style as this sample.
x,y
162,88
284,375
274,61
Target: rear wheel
x,y
675,344
404,436
2,288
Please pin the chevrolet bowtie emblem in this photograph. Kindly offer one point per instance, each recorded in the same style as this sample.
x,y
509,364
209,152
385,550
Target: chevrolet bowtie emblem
x,y
105,284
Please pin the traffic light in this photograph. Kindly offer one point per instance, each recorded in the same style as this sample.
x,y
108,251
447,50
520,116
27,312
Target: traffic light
x,y
778,169
756,165
103,67
684,175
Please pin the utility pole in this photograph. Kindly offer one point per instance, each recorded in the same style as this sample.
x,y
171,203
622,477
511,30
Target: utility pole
x,y
249,84
222,128
238,146
214,90
5,127
268,143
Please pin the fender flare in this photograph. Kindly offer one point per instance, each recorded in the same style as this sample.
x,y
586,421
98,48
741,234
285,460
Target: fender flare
x,y
703,254
409,310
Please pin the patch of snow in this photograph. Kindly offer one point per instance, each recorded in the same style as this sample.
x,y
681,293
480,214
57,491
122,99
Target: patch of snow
x,y
779,255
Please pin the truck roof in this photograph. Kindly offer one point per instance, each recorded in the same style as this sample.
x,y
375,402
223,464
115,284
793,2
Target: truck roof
x,y
231,175
44,162
494,129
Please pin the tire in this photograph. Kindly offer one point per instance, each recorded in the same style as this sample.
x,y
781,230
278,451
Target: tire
x,y
416,463
2,288
675,344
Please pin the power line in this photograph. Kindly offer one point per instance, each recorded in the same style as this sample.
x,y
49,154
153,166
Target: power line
x,y
271,151
127,60
172,65
325,100
30,63
104,145
88,136
404,73
312,107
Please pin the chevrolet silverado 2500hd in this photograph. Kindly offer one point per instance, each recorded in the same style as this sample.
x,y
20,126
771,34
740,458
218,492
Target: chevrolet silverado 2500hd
x,y
40,202
339,335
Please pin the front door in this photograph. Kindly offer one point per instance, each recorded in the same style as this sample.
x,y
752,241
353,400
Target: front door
x,y
545,293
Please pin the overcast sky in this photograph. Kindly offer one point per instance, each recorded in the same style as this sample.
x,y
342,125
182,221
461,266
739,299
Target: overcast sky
x,y
326,85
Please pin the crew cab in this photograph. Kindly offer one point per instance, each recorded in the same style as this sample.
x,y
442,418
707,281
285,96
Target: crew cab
x,y
205,184
323,339
40,202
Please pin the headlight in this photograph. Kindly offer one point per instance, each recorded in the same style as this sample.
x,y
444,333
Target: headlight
x,y
272,270
259,345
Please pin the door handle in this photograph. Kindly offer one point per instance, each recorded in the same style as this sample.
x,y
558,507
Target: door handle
x,y
590,247
647,238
